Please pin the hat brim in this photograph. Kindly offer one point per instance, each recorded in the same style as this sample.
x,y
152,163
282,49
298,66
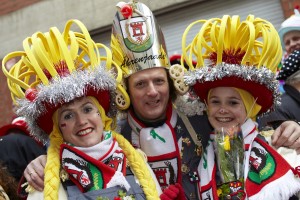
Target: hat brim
x,y
263,95
4,130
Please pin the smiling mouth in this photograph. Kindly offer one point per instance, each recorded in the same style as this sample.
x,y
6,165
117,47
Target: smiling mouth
x,y
224,119
84,132
153,103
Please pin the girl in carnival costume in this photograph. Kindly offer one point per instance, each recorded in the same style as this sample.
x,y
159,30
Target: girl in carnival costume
x,y
63,77
235,75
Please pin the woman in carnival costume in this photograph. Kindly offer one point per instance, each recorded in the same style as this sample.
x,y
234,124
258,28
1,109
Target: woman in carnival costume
x,y
66,91
235,76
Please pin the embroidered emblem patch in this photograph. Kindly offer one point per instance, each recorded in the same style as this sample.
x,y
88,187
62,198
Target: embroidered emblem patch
x,y
194,176
262,164
137,34
165,172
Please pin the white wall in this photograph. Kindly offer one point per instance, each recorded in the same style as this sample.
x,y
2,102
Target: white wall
x,y
18,25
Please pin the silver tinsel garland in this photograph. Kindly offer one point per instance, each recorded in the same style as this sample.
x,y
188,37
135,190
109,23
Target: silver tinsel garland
x,y
190,104
262,76
65,89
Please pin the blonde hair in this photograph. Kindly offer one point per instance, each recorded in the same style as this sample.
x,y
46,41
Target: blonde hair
x,y
136,162
52,179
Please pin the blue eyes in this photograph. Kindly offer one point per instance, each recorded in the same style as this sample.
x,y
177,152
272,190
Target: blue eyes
x,y
87,110
67,116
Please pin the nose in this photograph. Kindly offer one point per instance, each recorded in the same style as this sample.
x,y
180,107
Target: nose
x,y
222,111
293,44
80,120
152,90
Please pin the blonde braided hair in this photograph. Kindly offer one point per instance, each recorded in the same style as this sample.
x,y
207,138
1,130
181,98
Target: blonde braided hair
x,y
52,179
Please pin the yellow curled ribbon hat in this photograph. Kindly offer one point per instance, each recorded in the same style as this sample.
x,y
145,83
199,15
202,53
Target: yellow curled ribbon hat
x,y
55,68
233,53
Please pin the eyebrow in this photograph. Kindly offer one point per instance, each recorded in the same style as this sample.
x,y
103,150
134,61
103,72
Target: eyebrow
x,y
68,109
231,97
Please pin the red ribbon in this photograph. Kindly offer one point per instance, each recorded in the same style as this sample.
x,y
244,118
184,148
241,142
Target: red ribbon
x,y
296,171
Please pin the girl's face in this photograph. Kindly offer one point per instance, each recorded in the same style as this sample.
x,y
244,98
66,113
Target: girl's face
x,y
225,108
80,123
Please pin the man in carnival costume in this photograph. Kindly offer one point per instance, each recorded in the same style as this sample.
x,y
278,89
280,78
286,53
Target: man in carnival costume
x,y
63,77
235,76
169,140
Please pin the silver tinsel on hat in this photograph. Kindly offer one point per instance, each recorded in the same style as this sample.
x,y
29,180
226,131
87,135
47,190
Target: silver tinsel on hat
x,y
262,76
190,104
62,90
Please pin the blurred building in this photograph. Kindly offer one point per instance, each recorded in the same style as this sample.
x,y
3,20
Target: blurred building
x,y
21,18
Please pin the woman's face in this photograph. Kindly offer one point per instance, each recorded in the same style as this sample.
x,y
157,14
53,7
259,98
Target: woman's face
x,y
80,123
225,108
149,93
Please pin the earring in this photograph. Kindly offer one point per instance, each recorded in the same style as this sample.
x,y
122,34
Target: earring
x,y
98,113
122,99
176,73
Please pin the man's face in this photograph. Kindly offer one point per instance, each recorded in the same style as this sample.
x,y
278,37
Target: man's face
x,y
291,41
149,93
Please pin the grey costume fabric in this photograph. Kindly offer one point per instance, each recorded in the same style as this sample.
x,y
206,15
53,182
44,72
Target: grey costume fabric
x,y
290,100
288,110
75,194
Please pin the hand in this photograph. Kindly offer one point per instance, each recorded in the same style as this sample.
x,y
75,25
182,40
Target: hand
x,y
287,135
34,172
173,192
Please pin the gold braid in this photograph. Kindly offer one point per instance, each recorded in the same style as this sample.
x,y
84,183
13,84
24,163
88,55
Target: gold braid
x,y
52,179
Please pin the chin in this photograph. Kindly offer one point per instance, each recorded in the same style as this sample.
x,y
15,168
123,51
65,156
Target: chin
x,y
155,116
218,125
